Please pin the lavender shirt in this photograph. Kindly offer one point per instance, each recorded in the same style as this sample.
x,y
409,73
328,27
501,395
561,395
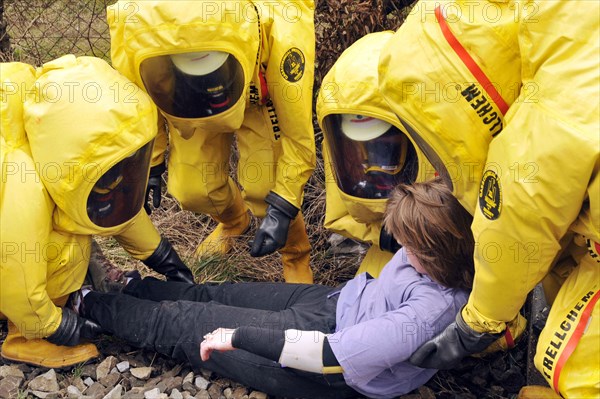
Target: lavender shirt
x,y
381,322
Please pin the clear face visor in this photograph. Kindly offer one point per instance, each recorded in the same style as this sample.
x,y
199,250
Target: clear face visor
x,y
370,157
119,194
193,85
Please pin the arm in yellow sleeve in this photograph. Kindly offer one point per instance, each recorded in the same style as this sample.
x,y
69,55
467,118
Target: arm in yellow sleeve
x,y
539,167
290,76
25,228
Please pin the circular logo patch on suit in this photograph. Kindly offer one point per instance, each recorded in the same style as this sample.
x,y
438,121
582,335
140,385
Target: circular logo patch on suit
x,y
594,249
490,195
292,65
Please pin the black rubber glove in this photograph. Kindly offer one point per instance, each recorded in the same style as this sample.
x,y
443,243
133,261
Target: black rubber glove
x,y
457,341
387,242
154,185
72,328
165,261
273,231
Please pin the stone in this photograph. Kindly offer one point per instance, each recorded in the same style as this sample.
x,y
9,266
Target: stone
x,y
258,395
175,394
143,373
188,378
187,395
228,393
96,390
77,382
9,386
114,393
110,380
215,391
201,382
170,383
89,370
123,366
152,394
189,387
202,395
73,391
136,382
134,393
153,383
173,371
45,395
239,392
104,368
88,381
11,371
45,383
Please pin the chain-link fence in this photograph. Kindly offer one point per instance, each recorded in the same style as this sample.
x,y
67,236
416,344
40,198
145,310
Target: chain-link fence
x,y
37,31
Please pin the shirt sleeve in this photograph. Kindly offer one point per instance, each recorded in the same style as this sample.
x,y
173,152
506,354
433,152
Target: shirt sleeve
x,y
367,349
270,344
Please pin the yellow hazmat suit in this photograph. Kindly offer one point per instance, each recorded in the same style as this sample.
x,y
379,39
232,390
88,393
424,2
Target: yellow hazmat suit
x,y
503,99
351,87
73,130
269,52
33,276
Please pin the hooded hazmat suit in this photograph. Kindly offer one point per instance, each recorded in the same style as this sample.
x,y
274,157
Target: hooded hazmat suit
x,y
263,52
502,97
66,131
351,88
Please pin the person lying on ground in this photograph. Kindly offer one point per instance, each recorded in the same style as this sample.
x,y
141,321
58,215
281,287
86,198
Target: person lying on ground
x,y
309,340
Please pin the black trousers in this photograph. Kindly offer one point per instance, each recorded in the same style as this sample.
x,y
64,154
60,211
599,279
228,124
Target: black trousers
x,y
171,318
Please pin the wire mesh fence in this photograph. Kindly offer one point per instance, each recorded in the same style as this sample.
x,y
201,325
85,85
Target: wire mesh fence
x,y
37,31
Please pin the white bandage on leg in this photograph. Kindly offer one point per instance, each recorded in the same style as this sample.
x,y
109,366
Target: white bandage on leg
x,y
303,350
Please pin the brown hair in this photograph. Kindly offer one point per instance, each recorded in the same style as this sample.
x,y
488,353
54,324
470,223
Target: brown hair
x,y
430,222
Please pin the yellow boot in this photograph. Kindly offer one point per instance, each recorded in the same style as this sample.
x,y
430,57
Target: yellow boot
x,y
295,254
233,222
40,352
537,392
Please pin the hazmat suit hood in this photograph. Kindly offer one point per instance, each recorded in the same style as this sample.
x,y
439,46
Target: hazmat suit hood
x,y
434,74
145,35
84,123
351,87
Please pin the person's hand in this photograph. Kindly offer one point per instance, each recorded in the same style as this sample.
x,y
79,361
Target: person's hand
x,y
154,186
73,328
446,350
218,340
273,231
